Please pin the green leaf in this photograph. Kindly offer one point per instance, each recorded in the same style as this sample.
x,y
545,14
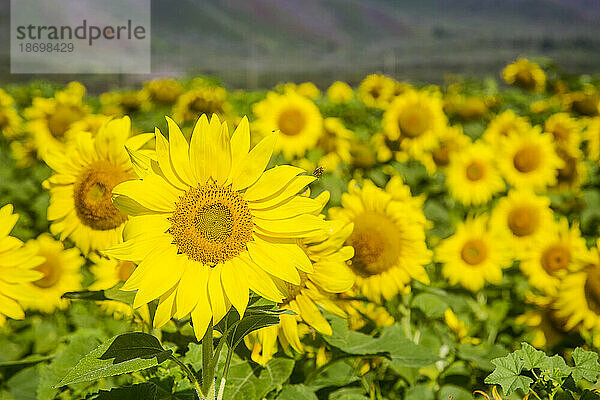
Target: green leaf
x,y
533,358
251,382
145,391
392,341
454,393
114,293
506,374
586,365
431,305
557,369
336,374
122,354
296,392
419,392
589,395
348,394
481,354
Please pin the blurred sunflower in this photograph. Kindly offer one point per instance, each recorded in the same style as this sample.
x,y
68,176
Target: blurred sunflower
x,y
331,275
90,123
163,91
522,219
125,103
24,152
360,313
222,224
415,119
376,91
107,273
80,187
528,160
560,250
504,125
306,89
10,120
525,74
336,142
201,100
565,130
388,237
61,274
340,92
574,171
17,268
450,141
473,256
49,119
472,177
297,118
592,136
584,102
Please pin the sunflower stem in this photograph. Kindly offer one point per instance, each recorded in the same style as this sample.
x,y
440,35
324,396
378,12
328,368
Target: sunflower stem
x,y
208,375
190,375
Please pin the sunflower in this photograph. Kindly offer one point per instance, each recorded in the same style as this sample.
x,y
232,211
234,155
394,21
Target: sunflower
x,y
10,120
297,118
125,103
61,274
340,92
592,135
331,275
306,89
584,102
388,237
376,91
80,187
450,142
24,152
107,273
528,160
559,251
49,119
336,142
525,74
222,225
573,173
565,130
503,125
472,177
473,256
17,268
415,119
203,99
163,91
522,219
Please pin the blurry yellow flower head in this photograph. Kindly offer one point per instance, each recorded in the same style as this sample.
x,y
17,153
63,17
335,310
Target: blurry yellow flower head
x,y
336,142
124,103
526,75
376,91
201,100
503,125
340,92
223,225
163,91
10,120
296,117
565,130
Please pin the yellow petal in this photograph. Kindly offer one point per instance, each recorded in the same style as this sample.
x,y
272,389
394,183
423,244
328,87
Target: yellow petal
x,y
272,181
240,146
304,223
194,277
333,277
292,189
295,206
179,153
218,301
165,274
202,314
153,192
287,250
312,316
222,161
258,280
166,308
253,165
263,256
289,326
236,287
163,155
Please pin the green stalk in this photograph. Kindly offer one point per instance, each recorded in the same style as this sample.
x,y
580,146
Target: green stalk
x,y
190,375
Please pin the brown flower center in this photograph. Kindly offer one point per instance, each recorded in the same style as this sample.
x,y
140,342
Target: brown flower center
x,y
92,195
51,270
474,252
555,258
62,118
475,171
441,156
592,289
291,121
524,79
414,120
523,220
3,119
527,159
211,224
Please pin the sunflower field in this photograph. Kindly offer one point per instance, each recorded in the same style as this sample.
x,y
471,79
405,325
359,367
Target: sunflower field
x,y
393,240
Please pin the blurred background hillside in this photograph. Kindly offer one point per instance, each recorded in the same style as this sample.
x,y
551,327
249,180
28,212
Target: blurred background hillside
x,y
257,43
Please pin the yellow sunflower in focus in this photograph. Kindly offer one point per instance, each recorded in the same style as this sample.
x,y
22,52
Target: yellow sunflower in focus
x,y
49,119
565,130
297,118
208,223
473,256
336,142
415,119
528,160
525,74
504,125
388,237
376,91
340,92
80,187
201,100
331,275
107,273
560,250
125,103
61,274
450,142
163,91
472,177
522,219
17,268
10,120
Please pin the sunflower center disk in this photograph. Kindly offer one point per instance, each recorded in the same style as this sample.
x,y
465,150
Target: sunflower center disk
x,y
556,258
414,121
523,221
377,244
51,270
527,159
61,120
291,122
92,195
475,171
3,119
474,252
592,289
211,224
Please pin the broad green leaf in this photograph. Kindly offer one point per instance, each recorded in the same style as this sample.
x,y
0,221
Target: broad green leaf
x,y
143,391
533,358
557,369
23,385
122,354
348,394
589,395
481,354
455,393
586,365
336,374
506,374
296,392
419,392
252,382
431,305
